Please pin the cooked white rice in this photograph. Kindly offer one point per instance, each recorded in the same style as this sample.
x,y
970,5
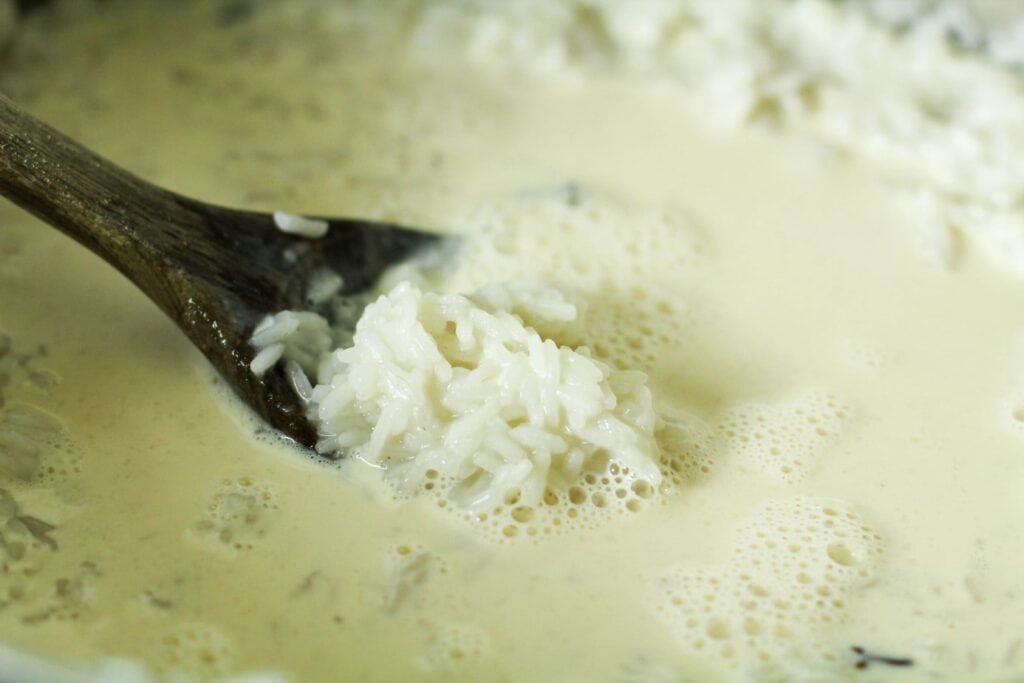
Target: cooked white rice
x,y
296,336
921,106
324,284
470,394
300,225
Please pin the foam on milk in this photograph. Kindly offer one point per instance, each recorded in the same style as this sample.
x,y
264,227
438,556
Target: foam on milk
x,y
629,318
646,308
238,514
690,449
791,568
783,438
196,651
628,326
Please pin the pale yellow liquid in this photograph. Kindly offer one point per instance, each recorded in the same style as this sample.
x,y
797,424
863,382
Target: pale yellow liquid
x,y
210,551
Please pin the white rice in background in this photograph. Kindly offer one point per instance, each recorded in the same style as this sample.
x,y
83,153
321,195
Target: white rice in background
x,y
994,27
324,285
935,124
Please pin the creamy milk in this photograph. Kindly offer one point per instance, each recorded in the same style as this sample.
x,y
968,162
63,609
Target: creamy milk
x,y
844,415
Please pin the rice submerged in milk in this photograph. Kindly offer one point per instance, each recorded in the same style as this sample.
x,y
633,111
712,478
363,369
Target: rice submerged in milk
x,y
472,397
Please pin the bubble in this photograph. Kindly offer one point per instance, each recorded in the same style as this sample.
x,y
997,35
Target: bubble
x,y
236,516
718,629
523,514
841,555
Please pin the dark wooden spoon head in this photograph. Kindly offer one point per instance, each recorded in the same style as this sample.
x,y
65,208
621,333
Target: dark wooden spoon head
x,y
215,271
249,268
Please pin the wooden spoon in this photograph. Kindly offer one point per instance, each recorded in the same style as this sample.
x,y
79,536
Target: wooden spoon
x,y
215,271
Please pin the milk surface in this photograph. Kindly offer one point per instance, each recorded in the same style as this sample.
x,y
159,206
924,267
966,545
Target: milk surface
x,y
843,411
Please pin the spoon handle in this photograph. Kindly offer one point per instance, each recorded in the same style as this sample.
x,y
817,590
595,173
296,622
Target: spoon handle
x,y
107,209
201,264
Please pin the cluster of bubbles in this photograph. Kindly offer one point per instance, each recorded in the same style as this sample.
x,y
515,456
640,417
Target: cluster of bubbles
x,y
34,445
600,494
451,647
192,651
627,322
790,569
690,448
36,457
783,439
624,323
237,515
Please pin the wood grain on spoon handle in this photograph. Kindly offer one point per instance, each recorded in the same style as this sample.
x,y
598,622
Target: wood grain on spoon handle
x,y
53,177
215,271
202,265
143,230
